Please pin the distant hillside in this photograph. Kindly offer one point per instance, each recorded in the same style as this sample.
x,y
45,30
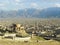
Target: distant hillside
x,y
52,12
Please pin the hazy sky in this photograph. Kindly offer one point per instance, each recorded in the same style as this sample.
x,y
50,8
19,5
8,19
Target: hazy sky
x,y
22,4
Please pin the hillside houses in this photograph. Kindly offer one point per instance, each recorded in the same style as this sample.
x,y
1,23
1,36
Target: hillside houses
x,y
42,30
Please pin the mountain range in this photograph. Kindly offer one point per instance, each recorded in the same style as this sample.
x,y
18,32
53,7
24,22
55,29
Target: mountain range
x,y
51,12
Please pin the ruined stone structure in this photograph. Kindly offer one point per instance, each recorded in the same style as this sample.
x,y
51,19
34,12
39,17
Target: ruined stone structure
x,y
20,29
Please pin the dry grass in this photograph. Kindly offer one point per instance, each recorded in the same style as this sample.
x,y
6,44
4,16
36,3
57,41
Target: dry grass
x,y
12,42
